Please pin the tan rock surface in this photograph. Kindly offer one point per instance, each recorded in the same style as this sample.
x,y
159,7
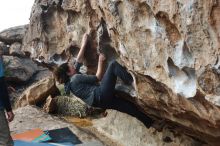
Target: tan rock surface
x,y
169,44
29,117
128,131
15,49
38,92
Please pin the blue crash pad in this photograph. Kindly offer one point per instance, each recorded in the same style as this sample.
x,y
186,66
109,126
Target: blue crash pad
x,y
24,143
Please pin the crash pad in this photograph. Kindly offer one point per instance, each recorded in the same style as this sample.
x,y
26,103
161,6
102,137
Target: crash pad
x,y
63,135
25,143
35,135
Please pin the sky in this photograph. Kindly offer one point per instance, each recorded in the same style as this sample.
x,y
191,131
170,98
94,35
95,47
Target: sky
x,y
14,13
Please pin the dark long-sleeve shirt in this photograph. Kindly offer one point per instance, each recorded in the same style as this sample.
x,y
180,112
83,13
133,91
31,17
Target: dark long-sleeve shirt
x,y
82,86
4,97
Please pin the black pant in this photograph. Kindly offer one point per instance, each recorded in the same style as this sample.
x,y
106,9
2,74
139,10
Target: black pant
x,y
105,95
4,96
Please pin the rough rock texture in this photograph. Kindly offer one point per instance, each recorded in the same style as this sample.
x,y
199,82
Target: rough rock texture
x,y
19,69
15,49
49,105
28,118
172,46
38,93
40,74
128,131
14,34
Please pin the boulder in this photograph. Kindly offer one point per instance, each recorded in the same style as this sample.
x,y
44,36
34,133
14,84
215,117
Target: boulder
x,y
30,117
19,69
15,49
169,45
179,110
128,131
14,34
38,93
41,73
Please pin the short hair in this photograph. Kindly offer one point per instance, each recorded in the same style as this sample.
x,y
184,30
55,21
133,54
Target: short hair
x,y
60,73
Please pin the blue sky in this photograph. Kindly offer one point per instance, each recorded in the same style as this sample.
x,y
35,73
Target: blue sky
x,y
14,12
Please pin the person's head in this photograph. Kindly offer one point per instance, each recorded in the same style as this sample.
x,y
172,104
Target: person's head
x,y
64,72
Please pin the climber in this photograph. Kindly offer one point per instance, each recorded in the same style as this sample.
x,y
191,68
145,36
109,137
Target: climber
x,y
103,95
5,138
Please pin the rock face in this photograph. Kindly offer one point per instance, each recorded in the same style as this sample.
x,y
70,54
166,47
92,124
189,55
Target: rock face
x,y
112,126
38,92
128,131
19,69
15,49
14,34
28,118
172,46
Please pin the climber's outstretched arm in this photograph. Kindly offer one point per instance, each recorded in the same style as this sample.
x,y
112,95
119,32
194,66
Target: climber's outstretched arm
x,y
80,55
101,66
